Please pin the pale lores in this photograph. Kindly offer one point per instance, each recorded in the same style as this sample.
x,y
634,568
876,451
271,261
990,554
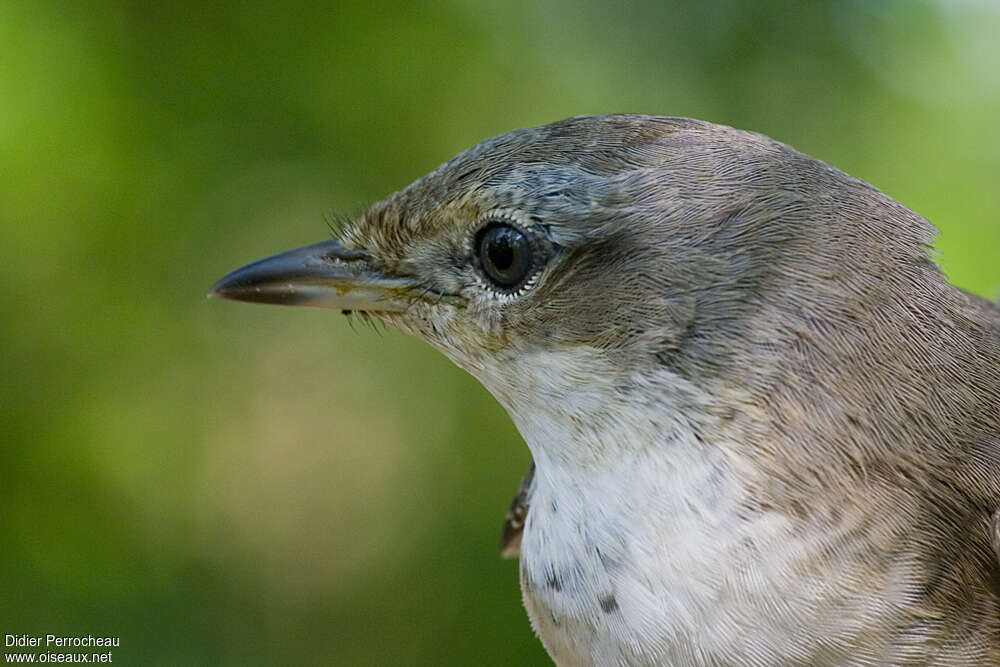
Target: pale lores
x,y
765,429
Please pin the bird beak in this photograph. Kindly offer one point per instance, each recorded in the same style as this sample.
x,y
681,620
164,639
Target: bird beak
x,y
322,275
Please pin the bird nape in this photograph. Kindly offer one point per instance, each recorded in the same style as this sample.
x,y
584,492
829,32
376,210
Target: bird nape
x,y
765,428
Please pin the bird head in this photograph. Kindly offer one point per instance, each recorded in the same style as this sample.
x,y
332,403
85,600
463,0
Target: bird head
x,y
558,262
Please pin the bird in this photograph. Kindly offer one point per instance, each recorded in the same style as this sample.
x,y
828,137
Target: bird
x,y
764,427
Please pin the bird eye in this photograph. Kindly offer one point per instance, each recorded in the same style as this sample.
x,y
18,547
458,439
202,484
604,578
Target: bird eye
x,y
505,255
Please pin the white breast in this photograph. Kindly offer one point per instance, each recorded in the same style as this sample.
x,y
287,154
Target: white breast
x,y
625,565
639,547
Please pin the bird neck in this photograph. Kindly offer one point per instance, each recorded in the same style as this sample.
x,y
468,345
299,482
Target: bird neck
x,y
579,412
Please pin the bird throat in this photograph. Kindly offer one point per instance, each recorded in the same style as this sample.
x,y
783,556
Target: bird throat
x,y
623,478
645,542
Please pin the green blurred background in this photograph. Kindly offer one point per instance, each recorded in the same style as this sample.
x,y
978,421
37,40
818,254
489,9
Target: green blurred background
x,y
217,483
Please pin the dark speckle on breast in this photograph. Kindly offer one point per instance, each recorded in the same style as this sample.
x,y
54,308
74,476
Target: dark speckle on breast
x,y
608,603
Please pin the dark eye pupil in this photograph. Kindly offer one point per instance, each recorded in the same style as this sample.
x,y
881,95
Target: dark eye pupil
x,y
502,249
505,255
